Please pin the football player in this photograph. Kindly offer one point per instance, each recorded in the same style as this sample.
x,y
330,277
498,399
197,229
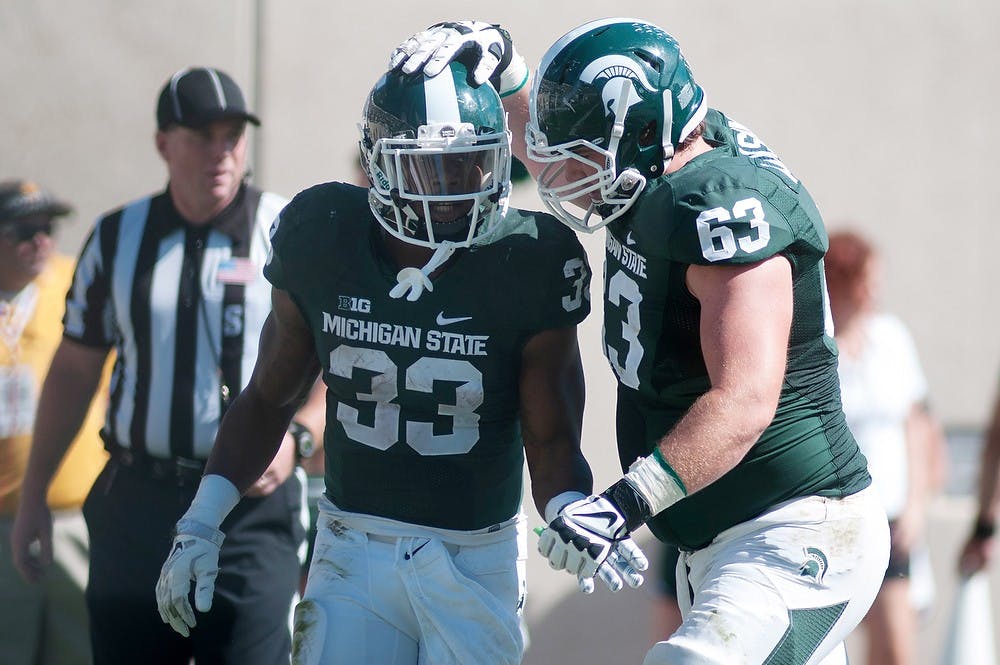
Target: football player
x,y
444,327
716,324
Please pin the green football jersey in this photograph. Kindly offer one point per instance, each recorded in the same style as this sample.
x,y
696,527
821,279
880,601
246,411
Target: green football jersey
x,y
423,397
736,204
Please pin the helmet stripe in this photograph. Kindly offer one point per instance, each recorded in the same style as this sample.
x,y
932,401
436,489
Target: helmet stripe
x,y
556,48
441,97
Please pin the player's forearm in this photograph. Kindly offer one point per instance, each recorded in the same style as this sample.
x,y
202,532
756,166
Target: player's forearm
x,y
556,474
708,441
715,435
249,437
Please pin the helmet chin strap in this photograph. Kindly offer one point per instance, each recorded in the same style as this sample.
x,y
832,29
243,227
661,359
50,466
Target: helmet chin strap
x,y
411,282
668,129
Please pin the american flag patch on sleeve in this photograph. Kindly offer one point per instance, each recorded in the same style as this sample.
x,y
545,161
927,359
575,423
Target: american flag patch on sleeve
x,y
237,271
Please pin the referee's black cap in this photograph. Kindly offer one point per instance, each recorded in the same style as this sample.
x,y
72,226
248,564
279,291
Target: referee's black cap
x,y
20,199
197,96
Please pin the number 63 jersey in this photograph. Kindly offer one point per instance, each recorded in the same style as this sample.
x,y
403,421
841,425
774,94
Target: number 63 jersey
x,y
423,397
736,204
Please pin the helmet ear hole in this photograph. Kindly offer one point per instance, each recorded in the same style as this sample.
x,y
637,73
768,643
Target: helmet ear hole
x,y
647,136
650,59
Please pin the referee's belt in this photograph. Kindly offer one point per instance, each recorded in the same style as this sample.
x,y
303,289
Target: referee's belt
x,y
181,469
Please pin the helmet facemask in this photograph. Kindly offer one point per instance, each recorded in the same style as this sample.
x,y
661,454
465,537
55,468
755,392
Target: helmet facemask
x,y
610,193
447,184
436,151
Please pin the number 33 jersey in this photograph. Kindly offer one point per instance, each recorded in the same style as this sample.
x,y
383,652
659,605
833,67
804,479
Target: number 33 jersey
x,y
422,397
736,204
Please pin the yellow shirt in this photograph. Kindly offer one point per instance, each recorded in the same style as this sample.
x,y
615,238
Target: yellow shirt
x,y
30,330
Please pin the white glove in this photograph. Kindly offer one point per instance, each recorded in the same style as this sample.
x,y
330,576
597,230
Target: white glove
x,y
194,555
622,567
588,537
485,49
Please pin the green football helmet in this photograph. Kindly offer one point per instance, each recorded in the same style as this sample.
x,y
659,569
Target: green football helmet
x,y
437,154
615,96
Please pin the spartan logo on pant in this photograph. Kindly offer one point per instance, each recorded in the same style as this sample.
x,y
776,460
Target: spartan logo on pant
x,y
815,564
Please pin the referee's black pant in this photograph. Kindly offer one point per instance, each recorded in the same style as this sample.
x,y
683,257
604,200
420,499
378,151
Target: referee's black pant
x,y
131,517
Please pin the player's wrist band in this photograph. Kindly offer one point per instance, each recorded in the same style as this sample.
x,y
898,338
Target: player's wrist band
x,y
512,70
514,76
630,503
984,529
560,501
216,496
656,482
190,527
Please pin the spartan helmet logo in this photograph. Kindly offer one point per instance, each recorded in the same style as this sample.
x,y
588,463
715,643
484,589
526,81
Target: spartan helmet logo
x,y
620,90
815,565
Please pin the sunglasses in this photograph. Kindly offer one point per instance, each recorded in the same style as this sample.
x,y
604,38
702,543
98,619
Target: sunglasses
x,y
25,232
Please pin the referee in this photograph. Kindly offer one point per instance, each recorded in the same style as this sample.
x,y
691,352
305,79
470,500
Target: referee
x,y
173,283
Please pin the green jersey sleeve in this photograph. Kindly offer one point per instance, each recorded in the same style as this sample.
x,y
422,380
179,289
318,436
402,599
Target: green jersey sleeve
x,y
310,231
549,255
284,230
729,224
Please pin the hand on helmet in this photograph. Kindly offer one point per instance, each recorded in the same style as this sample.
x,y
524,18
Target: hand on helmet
x,y
484,48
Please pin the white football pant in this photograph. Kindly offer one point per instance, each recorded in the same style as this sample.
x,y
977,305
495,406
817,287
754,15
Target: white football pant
x,y
431,597
785,588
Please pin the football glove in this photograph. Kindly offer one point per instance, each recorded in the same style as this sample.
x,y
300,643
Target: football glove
x,y
484,48
589,538
194,555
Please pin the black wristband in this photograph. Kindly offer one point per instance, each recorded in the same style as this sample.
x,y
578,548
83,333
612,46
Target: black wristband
x,y
630,504
984,529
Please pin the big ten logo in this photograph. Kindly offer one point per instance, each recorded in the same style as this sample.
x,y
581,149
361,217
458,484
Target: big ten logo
x,y
351,304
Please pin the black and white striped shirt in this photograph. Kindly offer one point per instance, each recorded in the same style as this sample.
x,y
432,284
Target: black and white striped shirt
x,y
183,305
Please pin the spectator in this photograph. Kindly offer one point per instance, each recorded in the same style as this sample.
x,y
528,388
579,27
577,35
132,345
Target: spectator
x,y
445,326
173,283
43,623
884,394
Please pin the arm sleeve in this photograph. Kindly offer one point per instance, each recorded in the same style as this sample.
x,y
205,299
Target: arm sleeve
x,y
89,317
566,274
727,226
278,270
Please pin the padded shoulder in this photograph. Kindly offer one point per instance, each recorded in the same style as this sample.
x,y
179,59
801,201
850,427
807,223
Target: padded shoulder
x,y
721,218
537,250
737,203
319,220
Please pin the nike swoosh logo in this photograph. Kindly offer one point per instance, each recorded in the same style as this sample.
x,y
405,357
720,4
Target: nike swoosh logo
x,y
442,320
410,555
610,517
629,240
